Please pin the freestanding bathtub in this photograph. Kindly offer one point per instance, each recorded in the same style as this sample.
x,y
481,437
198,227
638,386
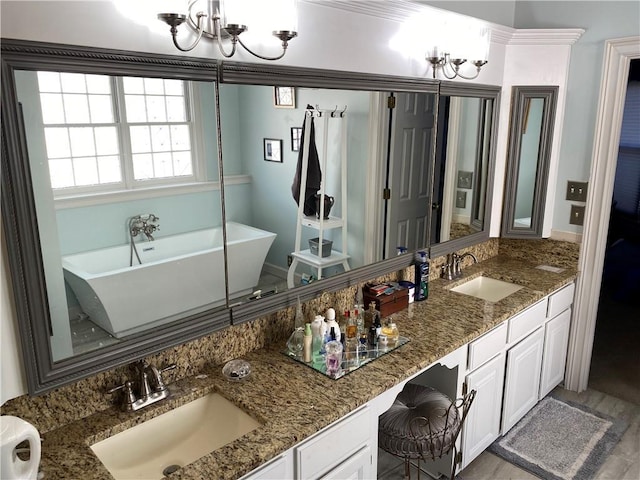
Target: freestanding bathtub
x,y
179,274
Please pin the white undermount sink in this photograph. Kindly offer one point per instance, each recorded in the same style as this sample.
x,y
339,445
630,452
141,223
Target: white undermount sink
x,y
487,288
174,439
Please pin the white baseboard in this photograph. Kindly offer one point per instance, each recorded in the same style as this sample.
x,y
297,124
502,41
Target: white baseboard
x,y
566,236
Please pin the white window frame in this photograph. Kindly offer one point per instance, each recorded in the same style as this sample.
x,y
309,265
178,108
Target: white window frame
x,y
129,188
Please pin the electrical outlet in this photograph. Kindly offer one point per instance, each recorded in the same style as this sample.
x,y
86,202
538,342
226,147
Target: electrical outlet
x,y
576,191
289,260
577,215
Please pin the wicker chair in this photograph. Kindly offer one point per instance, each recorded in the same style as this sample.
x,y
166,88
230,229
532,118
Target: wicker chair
x,y
423,424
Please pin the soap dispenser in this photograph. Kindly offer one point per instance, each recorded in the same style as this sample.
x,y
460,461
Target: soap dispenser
x,y
332,323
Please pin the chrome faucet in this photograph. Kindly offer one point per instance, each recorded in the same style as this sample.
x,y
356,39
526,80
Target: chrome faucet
x,y
452,269
146,224
150,387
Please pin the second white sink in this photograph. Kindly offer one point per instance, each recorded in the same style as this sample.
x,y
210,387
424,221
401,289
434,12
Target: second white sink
x,y
487,288
174,439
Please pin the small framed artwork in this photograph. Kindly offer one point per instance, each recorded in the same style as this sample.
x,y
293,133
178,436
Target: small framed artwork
x,y
272,150
296,138
284,97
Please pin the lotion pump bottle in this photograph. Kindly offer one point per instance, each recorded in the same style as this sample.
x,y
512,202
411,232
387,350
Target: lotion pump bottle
x,y
318,331
308,343
331,322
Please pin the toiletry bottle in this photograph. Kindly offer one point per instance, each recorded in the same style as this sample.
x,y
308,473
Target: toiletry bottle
x,y
308,343
391,331
421,266
318,330
299,317
331,322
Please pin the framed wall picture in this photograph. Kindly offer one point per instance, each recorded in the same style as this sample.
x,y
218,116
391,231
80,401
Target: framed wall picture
x,y
273,150
296,138
284,97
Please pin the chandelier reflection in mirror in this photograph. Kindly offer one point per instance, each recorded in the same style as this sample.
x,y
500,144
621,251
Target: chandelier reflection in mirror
x,y
452,45
231,19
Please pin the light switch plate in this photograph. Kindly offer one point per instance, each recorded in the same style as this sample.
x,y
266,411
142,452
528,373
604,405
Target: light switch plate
x,y
577,191
465,179
461,199
577,215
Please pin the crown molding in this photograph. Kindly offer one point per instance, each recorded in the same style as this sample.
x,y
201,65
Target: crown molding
x,y
546,36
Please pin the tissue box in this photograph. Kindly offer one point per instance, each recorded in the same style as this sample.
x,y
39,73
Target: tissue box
x,y
326,247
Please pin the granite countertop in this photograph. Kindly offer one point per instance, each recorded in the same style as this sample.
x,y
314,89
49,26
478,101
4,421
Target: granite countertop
x,y
293,401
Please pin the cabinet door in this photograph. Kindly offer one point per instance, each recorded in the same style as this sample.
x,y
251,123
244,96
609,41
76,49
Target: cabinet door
x,y
357,467
556,339
280,468
482,425
522,382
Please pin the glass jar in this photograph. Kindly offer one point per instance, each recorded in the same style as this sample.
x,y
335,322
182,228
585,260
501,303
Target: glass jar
x,y
392,334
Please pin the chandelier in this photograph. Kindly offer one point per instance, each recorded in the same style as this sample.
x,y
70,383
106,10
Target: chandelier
x,y
225,20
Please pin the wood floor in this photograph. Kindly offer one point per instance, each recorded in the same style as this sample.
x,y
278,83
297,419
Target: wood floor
x,y
622,464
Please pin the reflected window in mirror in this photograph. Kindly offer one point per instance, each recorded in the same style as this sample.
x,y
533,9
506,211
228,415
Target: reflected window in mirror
x,y
126,192
532,118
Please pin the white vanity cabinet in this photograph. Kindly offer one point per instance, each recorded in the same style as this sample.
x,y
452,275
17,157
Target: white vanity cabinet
x,y
513,366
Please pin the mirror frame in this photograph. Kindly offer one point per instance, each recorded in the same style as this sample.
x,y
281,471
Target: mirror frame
x,y
519,97
20,222
20,227
488,92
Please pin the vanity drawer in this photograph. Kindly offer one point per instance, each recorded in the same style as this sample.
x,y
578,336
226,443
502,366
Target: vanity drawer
x,y
527,321
487,346
329,448
561,300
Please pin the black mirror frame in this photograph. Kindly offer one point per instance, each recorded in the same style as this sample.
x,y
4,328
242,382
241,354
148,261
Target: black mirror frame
x,y
519,97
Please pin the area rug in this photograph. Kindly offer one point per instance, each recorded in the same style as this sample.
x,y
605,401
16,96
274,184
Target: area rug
x,y
560,440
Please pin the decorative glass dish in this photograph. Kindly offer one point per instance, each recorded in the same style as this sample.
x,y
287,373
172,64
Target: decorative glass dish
x,y
236,370
350,360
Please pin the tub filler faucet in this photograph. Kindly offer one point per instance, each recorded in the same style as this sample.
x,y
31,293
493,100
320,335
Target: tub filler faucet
x,y
144,224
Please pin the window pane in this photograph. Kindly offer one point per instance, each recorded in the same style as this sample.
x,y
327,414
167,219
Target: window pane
x,y
173,87
52,109
106,140
57,140
76,108
82,143
61,173
175,109
140,139
49,81
154,86
182,164
156,109
109,169
133,85
100,107
136,108
180,137
85,170
142,166
73,83
99,84
160,138
162,165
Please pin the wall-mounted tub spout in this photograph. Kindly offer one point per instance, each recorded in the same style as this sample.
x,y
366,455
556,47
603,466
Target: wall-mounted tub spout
x,y
144,224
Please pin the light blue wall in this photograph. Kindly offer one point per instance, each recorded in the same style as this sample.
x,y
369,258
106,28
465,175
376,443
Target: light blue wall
x,y
602,21
268,203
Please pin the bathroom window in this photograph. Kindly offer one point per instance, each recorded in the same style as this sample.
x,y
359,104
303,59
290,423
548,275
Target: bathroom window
x,y
106,133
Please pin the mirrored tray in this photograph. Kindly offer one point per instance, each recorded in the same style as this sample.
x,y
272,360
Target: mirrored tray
x,y
354,362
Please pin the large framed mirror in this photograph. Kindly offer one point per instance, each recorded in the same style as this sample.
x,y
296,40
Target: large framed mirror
x,y
530,136
464,165
110,184
353,129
